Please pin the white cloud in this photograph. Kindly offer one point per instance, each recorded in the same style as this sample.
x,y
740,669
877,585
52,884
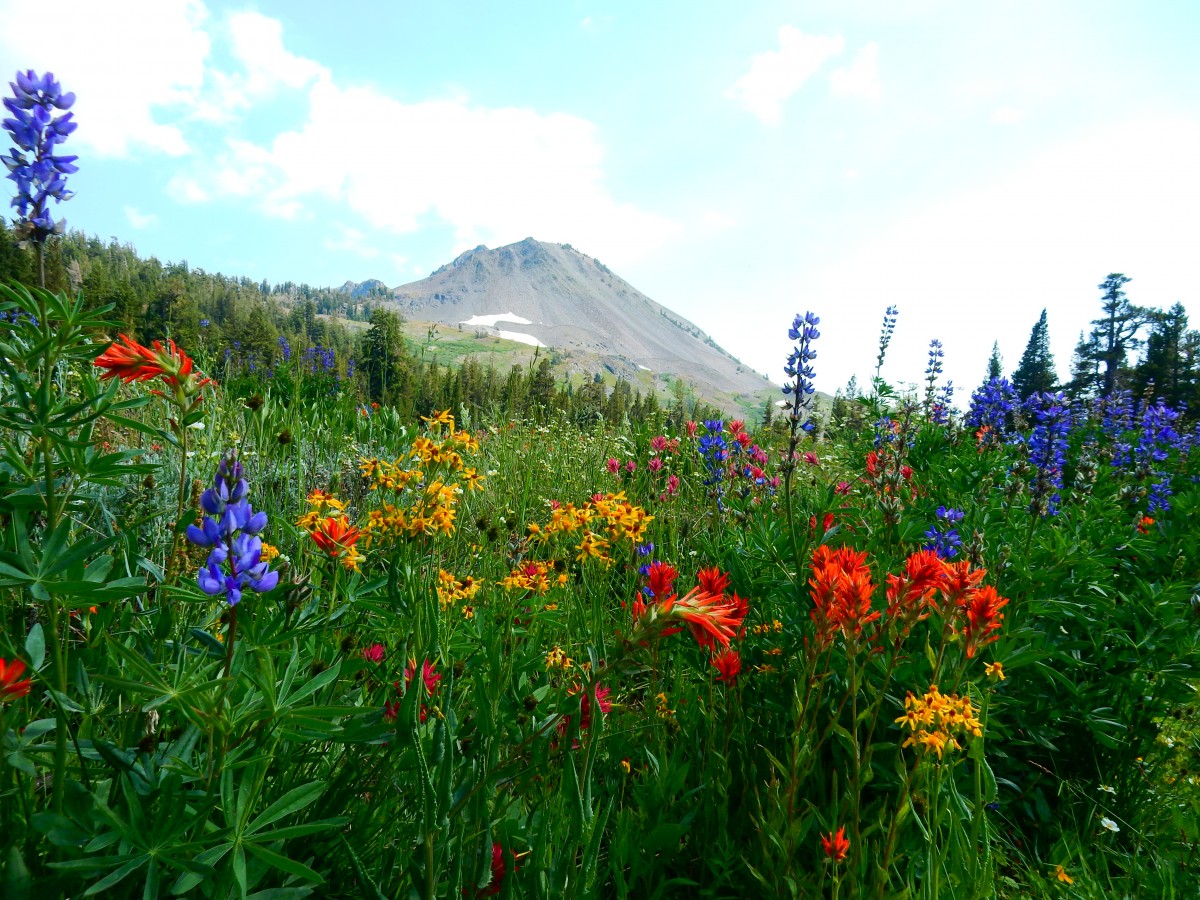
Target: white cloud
x,y
186,190
124,65
860,78
351,240
495,175
776,75
139,219
980,266
257,44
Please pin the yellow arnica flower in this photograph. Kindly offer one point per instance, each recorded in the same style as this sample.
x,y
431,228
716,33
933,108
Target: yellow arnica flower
x,y
994,670
1061,874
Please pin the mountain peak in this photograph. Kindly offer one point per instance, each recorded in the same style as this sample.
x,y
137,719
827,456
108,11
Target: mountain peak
x,y
555,296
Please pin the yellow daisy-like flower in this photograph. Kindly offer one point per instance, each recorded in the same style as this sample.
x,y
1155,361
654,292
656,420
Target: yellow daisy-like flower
x,y
994,670
1061,874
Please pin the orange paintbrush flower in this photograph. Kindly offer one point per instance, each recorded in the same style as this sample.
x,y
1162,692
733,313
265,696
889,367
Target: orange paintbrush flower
x,y
835,844
710,618
336,537
130,361
983,617
10,687
841,590
910,594
728,665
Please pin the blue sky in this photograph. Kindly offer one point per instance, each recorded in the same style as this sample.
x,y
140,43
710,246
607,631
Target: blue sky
x,y
971,163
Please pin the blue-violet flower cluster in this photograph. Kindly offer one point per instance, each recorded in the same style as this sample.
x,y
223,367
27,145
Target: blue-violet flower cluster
x,y
39,174
231,528
992,407
799,368
943,537
1047,444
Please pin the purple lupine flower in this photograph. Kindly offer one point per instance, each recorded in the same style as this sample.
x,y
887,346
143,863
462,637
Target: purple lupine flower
x,y
1116,413
39,174
933,371
943,405
992,406
285,348
1157,438
1047,445
890,315
231,528
799,369
714,450
943,537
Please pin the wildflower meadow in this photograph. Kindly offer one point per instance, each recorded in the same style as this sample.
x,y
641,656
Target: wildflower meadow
x,y
268,633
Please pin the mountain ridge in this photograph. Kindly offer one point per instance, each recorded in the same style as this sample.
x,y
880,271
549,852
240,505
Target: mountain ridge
x,y
562,299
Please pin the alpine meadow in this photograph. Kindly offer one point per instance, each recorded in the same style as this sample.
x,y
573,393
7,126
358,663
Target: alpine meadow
x,y
513,582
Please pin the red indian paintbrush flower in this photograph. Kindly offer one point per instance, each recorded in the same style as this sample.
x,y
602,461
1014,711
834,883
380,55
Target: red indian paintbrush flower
x,y
131,361
660,579
910,594
10,687
728,665
836,845
712,581
841,592
983,617
708,617
499,870
335,536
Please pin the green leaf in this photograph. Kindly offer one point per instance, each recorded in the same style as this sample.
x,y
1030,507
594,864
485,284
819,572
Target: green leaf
x,y
114,877
283,863
293,801
35,647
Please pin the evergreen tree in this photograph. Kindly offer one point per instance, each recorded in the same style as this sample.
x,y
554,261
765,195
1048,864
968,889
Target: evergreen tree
x,y
1115,333
384,357
1036,371
995,367
1163,366
1085,369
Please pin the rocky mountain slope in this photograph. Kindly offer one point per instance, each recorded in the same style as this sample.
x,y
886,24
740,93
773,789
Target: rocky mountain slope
x,y
554,296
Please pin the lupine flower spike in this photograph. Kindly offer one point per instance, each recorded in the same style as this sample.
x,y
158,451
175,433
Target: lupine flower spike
x,y
231,528
39,122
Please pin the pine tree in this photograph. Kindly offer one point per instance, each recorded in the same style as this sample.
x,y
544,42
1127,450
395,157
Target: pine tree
x,y
1036,371
1115,333
1085,369
1163,365
995,367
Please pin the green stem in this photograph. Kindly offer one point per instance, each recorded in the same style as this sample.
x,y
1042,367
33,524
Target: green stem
x,y
59,662
229,641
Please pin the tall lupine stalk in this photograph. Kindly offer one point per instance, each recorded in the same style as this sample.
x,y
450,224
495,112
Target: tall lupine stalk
x,y
39,173
1047,451
231,527
800,387
933,372
991,412
890,315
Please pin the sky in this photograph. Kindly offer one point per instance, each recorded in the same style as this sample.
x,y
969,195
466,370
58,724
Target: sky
x,y
970,163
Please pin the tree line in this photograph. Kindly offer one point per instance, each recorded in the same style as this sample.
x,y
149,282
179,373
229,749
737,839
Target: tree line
x,y
249,333
1150,352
